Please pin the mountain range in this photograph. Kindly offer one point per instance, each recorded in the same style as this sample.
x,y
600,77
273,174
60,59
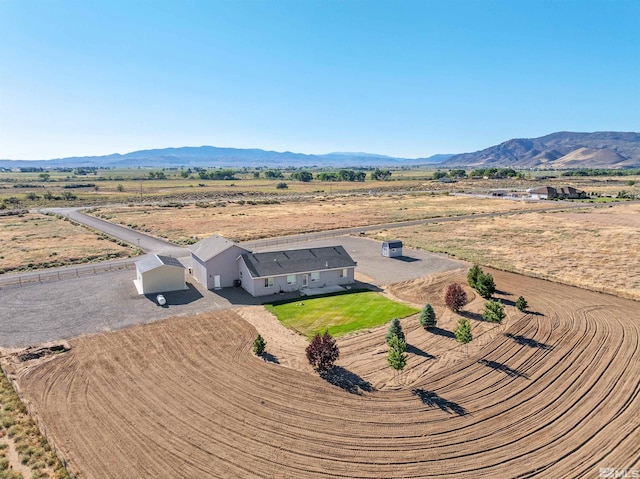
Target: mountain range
x,y
560,150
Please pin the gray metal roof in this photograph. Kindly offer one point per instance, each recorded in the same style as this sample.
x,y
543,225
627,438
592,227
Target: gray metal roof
x,y
278,263
212,246
155,261
393,244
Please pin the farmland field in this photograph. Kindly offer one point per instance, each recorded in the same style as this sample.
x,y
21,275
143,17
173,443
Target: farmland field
x,y
553,395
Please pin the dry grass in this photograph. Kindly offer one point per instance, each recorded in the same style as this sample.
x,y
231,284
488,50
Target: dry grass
x,y
239,220
593,249
33,240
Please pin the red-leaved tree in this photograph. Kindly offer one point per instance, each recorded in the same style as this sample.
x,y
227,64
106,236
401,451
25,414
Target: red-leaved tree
x,y
455,297
322,352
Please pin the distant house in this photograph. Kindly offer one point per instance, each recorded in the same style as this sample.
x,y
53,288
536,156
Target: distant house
x,y
262,274
392,249
549,193
543,193
214,262
159,274
498,193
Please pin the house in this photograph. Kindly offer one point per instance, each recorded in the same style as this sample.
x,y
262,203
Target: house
x,y
214,262
159,274
543,193
564,192
392,249
571,193
262,274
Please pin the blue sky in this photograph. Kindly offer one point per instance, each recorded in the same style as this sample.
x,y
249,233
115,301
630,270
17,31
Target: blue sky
x,y
403,78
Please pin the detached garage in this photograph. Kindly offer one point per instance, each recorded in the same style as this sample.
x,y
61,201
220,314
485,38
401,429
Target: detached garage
x,y
159,274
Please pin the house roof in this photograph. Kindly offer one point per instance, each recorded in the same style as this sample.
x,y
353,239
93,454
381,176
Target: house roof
x,y
393,244
569,190
544,190
277,263
155,261
212,246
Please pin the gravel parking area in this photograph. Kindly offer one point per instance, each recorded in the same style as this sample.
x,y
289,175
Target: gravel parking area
x,y
380,270
37,313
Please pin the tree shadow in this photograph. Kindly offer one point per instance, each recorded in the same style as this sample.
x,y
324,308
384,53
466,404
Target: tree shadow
x,y
507,302
503,368
442,332
431,399
419,352
470,315
269,358
523,340
347,380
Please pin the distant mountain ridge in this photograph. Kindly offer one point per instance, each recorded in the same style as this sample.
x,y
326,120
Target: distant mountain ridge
x,y
560,150
210,156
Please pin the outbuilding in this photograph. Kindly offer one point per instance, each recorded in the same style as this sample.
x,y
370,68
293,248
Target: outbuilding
x,y
214,262
159,274
392,249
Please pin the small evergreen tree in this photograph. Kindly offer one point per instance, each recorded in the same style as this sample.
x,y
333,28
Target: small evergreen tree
x,y
485,286
493,312
522,304
463,332
395,330
472,276
455,297
397,358
428,317
259,344
322,352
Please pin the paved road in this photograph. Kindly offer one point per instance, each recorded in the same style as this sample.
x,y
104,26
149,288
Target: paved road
x,y
136,238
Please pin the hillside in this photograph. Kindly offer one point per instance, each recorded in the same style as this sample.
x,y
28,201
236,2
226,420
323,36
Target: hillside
x,y
210,156
559,150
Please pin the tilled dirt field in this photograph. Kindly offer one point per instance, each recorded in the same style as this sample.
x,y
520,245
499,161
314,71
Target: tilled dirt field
x,y
554,395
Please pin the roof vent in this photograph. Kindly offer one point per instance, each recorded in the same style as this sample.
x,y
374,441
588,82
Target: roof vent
x,y
326,264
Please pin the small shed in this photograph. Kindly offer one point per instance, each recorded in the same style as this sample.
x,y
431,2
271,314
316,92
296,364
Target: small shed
x,y
392,249
159,274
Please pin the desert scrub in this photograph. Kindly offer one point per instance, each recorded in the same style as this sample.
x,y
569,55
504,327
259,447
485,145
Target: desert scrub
x,y
33,448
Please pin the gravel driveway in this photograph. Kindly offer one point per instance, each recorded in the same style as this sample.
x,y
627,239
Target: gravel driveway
x,y
43,312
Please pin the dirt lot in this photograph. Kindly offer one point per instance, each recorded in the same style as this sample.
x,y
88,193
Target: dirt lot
x,y
35,239
555,395
596,249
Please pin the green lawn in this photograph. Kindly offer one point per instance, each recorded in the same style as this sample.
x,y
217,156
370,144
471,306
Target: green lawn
x,y
339,314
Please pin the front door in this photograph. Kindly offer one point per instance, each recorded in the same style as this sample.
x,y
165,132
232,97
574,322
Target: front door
x,y
305,280
216,281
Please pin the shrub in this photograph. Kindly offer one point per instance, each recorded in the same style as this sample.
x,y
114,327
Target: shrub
x,y
485,286
396,358
428,317
472,276
322,352
259,345
282,186
395,330
522,304
493,312
455,297
463,331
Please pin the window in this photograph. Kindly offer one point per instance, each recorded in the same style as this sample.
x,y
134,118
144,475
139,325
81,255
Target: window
x,y
393,250
315,277
344,273
291,279
268,282
240,274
